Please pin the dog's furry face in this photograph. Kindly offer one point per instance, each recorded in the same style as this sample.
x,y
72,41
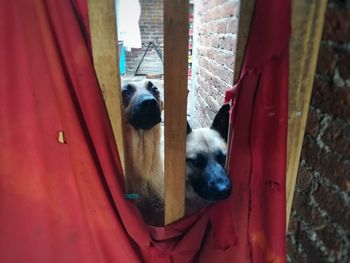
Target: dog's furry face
x,y
142,104
206,150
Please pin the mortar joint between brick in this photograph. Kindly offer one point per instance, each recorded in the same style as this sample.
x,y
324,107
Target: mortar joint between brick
x,y
318,179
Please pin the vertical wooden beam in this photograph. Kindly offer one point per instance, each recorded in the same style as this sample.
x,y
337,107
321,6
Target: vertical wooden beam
x,y
307,26
104,41
246,11
176,25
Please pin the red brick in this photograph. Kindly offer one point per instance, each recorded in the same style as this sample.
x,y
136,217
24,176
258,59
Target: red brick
x,y
295,255
220,27
211,27
215,41
313,123
336,170
202,51
301,239
344,65
213,3
309,214
225,74
337,136
337,26
334,205
204,40
332,99
293,226
230,62
311,152
232,25
217,56
227,43
312,253
229,9
326,60
338,3
300,201
327,164
203,62
216,17
220,98
203,84
304,179
327,233
213,104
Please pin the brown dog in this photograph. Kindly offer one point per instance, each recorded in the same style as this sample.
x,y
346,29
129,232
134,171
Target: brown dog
x,y
206,150
206,178
144,150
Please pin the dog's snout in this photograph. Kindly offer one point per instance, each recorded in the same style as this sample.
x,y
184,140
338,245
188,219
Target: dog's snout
x,y
145,102
220,180
214,184
220,188
145,112
148,103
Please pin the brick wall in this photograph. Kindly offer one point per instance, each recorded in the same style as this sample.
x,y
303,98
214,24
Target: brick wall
x,y
151,27
215,29
319,229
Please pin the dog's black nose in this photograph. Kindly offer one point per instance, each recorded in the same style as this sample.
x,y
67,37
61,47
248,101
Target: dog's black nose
x,y
146,113
221,188
214,188
148,104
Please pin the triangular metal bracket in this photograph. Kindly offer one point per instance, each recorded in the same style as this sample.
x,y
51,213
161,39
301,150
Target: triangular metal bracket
x,y
159,53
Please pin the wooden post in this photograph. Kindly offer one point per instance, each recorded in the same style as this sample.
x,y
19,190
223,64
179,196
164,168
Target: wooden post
x,y
307,26
176,13
104,41
246,11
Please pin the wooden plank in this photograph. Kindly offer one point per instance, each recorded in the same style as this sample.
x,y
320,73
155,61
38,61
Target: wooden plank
x,y
307,25
104,41
246,11
176,25
245,16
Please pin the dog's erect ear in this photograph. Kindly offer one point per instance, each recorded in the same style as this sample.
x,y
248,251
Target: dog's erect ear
x,y
221,121
189,130
149,84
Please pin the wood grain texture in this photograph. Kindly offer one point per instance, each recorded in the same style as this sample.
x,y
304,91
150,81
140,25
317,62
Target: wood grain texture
x,y
307,26
176,25
245,18
104,41
246,11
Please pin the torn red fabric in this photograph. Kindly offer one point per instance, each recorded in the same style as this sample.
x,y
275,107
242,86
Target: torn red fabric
x,y
61,183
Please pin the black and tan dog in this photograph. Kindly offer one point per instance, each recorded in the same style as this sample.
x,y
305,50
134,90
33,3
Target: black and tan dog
x,y
144,149
206,150
206,179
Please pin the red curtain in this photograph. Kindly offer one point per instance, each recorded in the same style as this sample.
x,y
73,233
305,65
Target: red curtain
x,y
62,200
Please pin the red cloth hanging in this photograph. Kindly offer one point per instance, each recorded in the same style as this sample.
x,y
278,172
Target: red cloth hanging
x,y
62,201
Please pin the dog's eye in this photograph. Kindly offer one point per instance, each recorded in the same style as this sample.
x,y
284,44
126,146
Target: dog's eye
x,y
126,92
220,158
199,162
155,91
